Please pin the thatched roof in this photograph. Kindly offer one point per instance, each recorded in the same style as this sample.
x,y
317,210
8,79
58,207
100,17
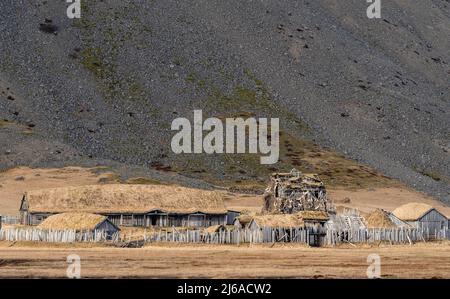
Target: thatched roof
x,y
279,220
291,179
314,215
379,219
412,211
75,221
117,198
284,220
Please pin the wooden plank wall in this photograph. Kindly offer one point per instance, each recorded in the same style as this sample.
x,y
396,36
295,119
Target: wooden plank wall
x,y
6,219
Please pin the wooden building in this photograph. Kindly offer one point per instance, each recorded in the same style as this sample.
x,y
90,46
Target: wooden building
x,y
291,192
284,226
422,216
314,220
129,205
80,222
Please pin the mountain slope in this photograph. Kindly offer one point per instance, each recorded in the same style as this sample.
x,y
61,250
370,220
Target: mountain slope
x,y
104,89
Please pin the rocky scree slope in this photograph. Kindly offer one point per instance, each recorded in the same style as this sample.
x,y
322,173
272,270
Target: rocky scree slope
x,y
105,88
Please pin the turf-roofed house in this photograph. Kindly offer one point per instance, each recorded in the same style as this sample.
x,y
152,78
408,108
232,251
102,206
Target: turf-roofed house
x,y
302,219
79,222
422,216
129,205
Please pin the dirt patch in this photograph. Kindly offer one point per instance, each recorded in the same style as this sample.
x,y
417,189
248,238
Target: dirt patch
x,y
418,261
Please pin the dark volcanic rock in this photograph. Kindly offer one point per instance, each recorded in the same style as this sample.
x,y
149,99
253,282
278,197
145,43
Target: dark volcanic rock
x,y
48,28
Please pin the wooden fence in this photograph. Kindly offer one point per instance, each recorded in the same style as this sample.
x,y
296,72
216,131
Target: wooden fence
x,y
320,237
55,236
391,235
325,237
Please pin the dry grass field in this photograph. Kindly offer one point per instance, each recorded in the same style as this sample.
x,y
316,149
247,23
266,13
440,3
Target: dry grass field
x,y
430,260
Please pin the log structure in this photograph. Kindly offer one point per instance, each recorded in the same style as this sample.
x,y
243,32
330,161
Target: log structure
x,y
294,191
